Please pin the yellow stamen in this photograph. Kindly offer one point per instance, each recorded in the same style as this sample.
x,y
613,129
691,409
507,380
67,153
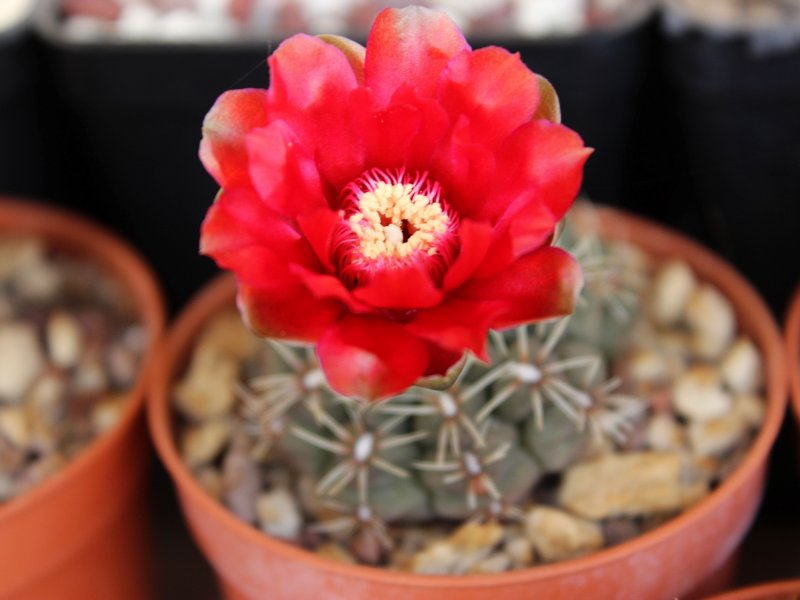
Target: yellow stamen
x,y
392,223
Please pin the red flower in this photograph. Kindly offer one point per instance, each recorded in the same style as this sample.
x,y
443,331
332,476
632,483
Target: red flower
x,y
392,204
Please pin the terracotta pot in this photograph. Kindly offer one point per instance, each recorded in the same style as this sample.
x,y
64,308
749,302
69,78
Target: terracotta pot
x,y
666,562
793,350
82,533
780,590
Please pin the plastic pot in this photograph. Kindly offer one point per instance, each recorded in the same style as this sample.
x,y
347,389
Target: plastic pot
x,y
663,563
737,105
82,534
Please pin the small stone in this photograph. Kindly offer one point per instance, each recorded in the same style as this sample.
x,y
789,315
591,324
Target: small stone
x,y
279,515
673,285
741,367
228,335
40,282
712,319
626,485
241,479
44,396
367,546
107,412
64,339
210,479
557,535
617,531
646,367
494,563
207,390
38,471
717,436
664,433
200,444
90,377
465,548
520,551
698,394
21,360
123,365
751,407
336,552
18,254
14,426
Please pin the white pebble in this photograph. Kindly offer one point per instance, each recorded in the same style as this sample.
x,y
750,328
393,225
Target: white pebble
x,y
698,394
741,367
64,339
711,318
673,285
279,515
21,360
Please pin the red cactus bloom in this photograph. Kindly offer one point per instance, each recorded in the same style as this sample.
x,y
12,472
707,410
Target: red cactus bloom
x,y
394,203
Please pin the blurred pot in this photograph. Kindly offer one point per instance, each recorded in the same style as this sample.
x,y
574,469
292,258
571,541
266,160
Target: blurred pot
x,y
82,533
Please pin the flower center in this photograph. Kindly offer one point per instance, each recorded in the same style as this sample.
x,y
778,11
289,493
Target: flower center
x,y
391,219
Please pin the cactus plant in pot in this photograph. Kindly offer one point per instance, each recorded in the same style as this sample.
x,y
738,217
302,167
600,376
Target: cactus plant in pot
x,y
390,215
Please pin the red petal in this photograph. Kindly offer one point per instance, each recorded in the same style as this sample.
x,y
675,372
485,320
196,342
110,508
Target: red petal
x,y
540,285
306,71
311,86
371,358
441,359
289,312
325,286
493,89
319,228
410,45
402,134
541,162
283,171
239,218
458,325
222,149
474,241
407,288
466,169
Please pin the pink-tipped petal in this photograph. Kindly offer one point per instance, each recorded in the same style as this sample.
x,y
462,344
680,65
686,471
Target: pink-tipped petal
x,y
222,149
410,45
493,89
371,358
540,285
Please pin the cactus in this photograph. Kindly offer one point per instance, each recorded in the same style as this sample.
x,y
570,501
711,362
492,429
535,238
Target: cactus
x,y
471,446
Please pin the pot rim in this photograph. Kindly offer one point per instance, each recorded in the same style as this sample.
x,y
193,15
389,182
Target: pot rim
x,y
218,294
792,335
76,234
